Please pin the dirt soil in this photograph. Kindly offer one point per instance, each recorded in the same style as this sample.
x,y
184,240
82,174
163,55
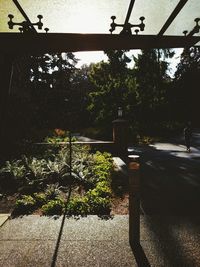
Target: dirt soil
x,y
120,205
7,203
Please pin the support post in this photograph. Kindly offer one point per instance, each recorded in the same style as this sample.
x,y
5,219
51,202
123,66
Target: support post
x,y
120,137
6,62
134,200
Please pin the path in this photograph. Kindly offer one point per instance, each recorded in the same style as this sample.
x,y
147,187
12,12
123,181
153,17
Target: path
x,y
171,177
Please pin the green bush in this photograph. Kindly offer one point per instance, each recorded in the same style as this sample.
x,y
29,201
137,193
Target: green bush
x,y
53,207
98,205
103,189
12,175
78,206
40,199
25,205
103,166
52,191
92,171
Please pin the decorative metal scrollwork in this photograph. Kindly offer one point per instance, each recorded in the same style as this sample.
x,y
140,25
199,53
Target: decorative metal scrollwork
x,y
127,26
26,26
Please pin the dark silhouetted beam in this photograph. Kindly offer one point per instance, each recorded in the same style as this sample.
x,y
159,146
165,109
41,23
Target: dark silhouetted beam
x,y
24,15
172,16
51,42
129,11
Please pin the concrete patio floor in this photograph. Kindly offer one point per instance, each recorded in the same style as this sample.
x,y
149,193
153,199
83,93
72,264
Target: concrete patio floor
x,y
91,241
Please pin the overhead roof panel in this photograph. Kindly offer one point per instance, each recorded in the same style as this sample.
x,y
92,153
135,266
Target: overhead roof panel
x,y
94,17
155,13
67,16
185,19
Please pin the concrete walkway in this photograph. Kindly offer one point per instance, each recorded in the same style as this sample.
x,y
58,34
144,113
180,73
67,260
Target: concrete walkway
x,y
170,177
91,241
3,218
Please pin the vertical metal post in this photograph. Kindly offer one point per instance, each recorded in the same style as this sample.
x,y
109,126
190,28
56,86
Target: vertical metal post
x,y
120,137
70,153
6,70
134,200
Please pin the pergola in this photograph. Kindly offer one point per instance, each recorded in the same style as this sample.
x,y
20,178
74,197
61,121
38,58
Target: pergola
x,y
91,25
86,25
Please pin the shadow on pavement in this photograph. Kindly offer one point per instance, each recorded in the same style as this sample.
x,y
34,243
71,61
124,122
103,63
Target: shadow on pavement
x,y
170,184
140,256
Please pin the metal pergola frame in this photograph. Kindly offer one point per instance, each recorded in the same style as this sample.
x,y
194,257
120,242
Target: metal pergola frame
x,y
33,42
21,43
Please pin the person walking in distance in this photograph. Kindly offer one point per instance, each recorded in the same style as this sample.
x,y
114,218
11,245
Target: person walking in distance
x,y
187,136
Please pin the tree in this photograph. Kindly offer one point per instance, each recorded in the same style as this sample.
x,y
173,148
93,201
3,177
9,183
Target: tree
x,y
51,76
152,83
113,87
186,85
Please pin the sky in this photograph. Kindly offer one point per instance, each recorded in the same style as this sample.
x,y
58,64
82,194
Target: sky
x,y
97,56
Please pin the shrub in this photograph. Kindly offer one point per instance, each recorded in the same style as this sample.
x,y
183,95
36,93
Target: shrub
x,y
53,207
98,205
99,200
103,189
92,171
52,191
78,206
25,205
103,166
40,199
12,175
58,136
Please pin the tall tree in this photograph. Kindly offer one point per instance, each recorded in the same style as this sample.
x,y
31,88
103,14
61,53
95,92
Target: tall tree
x,y
186,85
113,87
51,76
152,80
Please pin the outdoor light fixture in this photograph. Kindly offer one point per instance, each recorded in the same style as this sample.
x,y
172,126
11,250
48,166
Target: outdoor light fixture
x,y
127,26
120,112
26,26
195,29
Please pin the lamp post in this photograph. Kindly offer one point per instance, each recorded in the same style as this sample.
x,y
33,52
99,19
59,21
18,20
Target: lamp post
x,y
120,134
120,112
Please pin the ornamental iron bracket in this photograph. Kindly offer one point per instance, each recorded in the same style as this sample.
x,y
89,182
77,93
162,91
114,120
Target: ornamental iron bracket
x,y
196,28
127,26
26,26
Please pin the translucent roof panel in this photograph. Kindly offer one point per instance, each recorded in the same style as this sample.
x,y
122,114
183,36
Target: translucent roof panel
x,y
156,12
185,19
94,16
67,16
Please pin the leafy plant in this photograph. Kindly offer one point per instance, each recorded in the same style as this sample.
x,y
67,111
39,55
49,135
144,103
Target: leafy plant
x,y
53,207
98,205
25,205
59,136
40,199
52,191
78,206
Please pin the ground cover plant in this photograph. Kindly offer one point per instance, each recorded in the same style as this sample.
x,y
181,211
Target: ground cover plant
x,y
44,182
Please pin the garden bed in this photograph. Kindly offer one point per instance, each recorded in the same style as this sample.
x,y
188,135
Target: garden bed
x,y
43,184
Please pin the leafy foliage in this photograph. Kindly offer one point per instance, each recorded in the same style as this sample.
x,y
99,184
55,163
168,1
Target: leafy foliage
x,y
47,180
25,204
111,84
185,94
78,206
53,207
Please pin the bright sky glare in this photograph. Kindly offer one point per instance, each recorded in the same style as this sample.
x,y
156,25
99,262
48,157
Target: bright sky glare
x,y
97,56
